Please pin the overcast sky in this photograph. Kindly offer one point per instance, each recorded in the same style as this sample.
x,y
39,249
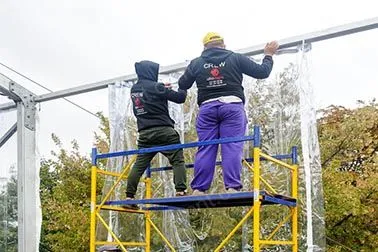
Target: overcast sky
x,y
63,44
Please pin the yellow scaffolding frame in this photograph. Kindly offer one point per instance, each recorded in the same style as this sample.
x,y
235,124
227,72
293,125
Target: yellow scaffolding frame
x,y
258,242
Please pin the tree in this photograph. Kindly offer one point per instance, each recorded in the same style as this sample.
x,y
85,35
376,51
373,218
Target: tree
x,y
8,214
349,146
65,197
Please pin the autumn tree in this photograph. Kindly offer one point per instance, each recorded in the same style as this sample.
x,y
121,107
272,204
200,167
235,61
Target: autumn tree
x,y
8,214
349,147
65,196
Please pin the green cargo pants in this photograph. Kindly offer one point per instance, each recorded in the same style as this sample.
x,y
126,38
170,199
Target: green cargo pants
x,y
152,137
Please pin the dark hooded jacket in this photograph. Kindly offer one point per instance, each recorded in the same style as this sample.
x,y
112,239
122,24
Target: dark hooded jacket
x,y
219,72
150,98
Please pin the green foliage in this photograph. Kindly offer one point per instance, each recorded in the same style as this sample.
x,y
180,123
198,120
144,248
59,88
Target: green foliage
x,y
8,215
65,196
65,190
349,145
102,138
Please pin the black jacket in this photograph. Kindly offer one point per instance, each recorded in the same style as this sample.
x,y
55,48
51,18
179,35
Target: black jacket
x,y
219,72
150,98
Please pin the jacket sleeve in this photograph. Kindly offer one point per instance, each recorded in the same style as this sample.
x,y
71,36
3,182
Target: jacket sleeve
x,y
255,70
188,78
178,96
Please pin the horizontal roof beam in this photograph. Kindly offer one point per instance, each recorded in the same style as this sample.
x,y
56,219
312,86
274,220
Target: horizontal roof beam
x,y
312,37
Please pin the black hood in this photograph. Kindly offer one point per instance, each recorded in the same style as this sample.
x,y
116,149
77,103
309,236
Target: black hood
x,y
147,70
215,55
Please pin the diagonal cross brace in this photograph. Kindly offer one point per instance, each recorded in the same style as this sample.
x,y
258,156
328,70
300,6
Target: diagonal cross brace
x,y
8,135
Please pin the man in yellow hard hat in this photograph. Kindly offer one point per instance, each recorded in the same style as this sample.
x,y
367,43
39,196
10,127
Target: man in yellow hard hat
x,y
213,37
219,74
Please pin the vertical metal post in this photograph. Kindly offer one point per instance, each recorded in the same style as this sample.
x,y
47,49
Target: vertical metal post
x,y
256,189
28,201
148,214
92,238
29,211
256,136
6,219
294,192
294,155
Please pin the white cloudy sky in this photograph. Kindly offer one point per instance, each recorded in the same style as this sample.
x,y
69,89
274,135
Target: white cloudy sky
x,y
62,44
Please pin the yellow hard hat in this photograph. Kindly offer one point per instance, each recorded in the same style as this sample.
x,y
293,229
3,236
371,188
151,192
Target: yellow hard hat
x,y
211,37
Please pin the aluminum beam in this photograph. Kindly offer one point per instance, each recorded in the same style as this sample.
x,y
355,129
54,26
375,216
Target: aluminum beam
x,y
5,87
337,31
330,33
8,135
29,211
83,88
250,51
28,202
8,106
5,90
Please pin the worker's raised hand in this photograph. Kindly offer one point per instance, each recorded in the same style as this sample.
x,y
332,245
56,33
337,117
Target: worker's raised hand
x,y
271,48
168,85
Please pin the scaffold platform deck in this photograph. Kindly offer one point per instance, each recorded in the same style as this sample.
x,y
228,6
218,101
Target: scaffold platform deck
x,y
207,201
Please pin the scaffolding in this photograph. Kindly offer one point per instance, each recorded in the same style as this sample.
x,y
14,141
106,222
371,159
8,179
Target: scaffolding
x,y
254,199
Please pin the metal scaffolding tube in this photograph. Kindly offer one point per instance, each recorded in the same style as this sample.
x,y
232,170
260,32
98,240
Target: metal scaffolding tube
x,y
333,32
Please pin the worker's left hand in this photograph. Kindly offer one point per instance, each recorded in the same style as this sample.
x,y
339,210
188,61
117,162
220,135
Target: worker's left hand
x,y
168,85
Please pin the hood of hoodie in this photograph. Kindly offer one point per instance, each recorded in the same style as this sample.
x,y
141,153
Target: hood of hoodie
x,y
215,55
147,70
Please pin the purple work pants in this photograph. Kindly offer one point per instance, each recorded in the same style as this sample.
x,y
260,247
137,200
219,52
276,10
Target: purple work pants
x,y
218,120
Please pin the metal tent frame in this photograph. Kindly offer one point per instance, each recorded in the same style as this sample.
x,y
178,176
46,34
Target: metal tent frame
x,y
25,103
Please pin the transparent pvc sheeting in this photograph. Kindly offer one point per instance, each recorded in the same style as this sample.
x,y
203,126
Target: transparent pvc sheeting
x,y
274,105
8,151
122,130
7,119
283,105
117,126
176,224
315,213
8,169
37,195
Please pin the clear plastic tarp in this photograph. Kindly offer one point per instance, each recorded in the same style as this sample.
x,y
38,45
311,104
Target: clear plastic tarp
x,y
8,175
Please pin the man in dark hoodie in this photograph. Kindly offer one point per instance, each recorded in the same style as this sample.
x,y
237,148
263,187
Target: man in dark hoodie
x,y
219,74
155,126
